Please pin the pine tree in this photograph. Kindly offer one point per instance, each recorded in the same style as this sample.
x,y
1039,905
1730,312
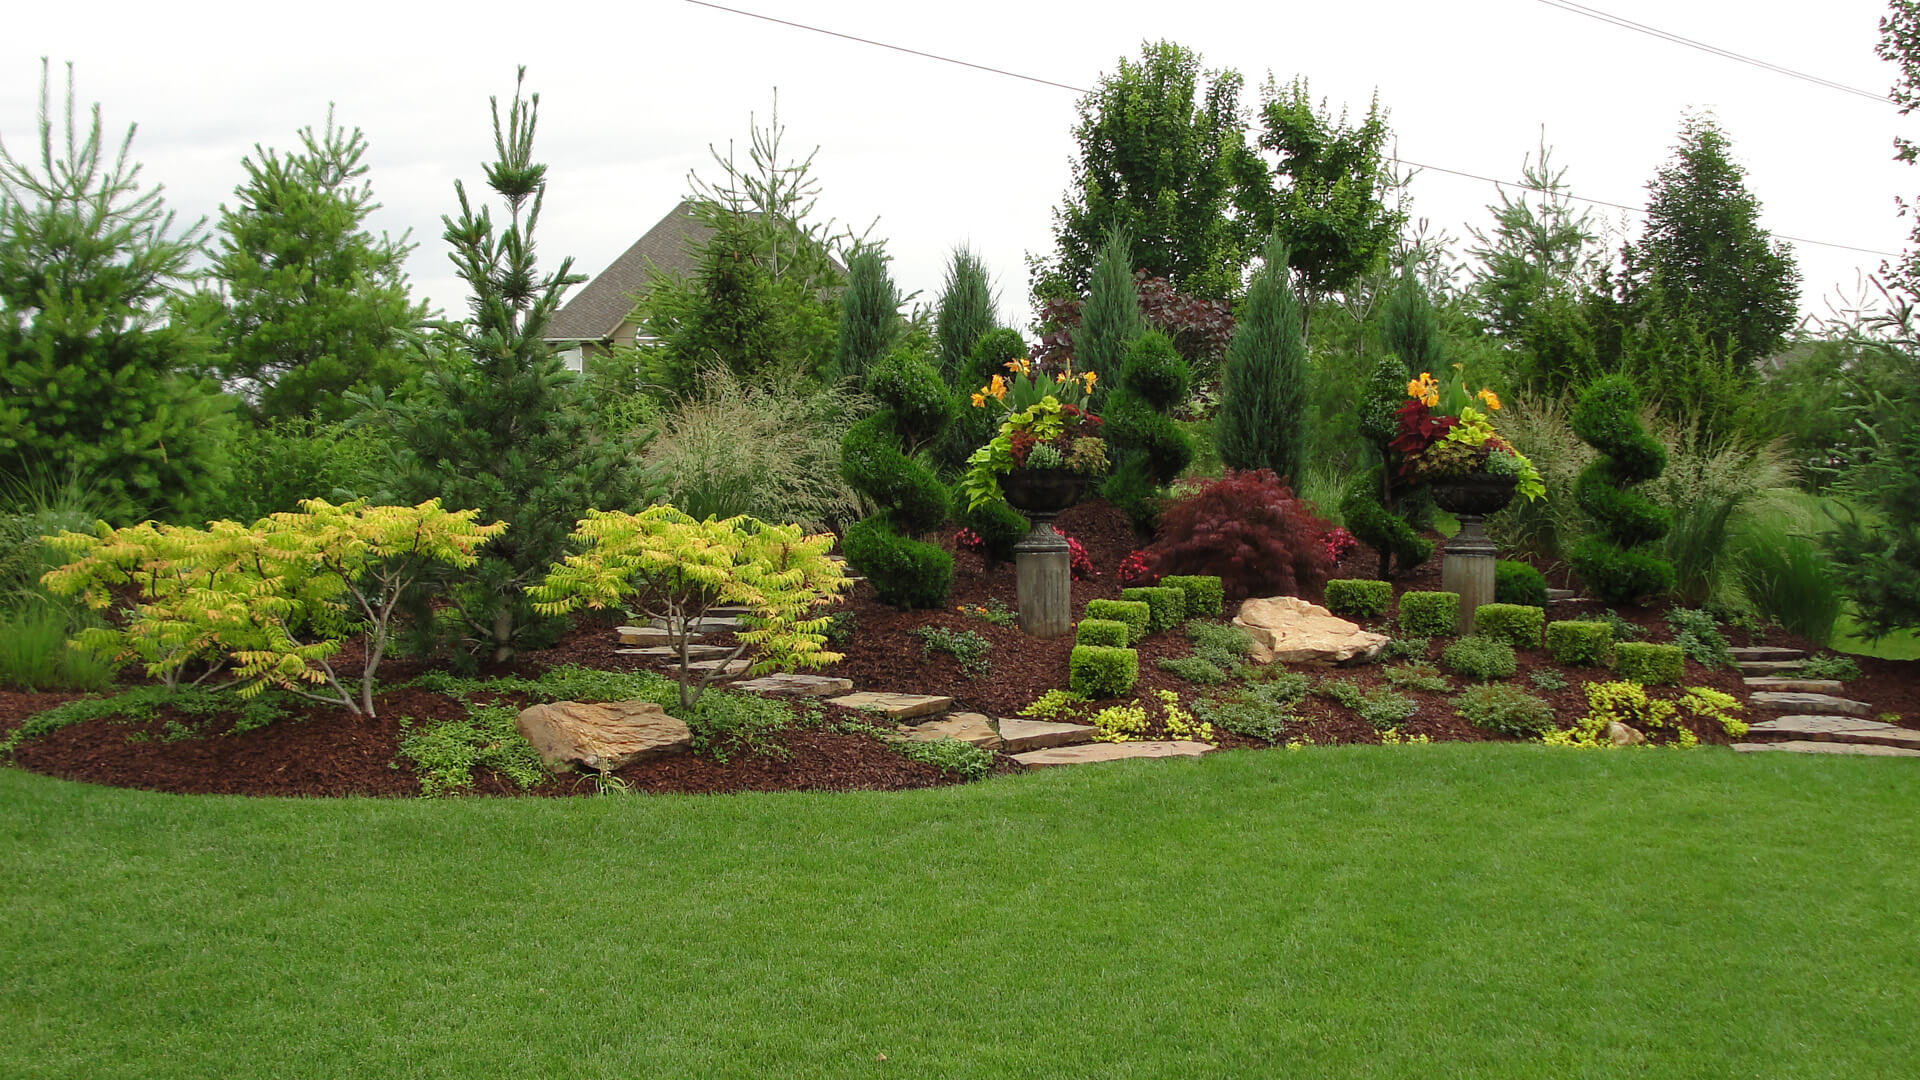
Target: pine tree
x,y
495,430
1263,403
965,314
94,383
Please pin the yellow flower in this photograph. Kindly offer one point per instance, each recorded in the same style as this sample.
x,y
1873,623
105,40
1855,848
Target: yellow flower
x,y
1425,389
1091,377
1020,366
1060,378
1492,399
979,399
998,389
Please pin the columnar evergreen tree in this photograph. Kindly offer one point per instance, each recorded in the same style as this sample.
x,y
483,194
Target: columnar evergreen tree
x,y
1263,396
869,315
1110,319
312,304
964,315
93,381
1409,327
495,429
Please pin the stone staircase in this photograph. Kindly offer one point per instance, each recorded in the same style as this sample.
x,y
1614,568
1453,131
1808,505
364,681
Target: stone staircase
x,y
1813,717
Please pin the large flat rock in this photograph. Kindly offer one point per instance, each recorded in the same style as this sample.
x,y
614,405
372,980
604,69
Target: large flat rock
x,y
1097,752
894,706
1293,631
1816,704
790,684
1765,652
968,727
1021,735
1846,729
1861,749
601,737
1804,686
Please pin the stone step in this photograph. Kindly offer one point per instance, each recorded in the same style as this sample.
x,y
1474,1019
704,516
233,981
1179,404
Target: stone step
x,y
1562,595
785,684
727,668
722,625
1840,729
1807,686
668,652
1766,667
1766,652
1822,704
649,635
728,611
968,727
1021,735
1866,749
1096,752
894,706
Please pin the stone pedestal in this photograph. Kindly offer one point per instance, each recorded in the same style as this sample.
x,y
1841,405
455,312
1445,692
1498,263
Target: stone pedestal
x,y
1043,581
1468,569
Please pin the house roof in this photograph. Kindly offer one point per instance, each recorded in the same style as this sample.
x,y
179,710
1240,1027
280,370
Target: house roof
x,y
601,305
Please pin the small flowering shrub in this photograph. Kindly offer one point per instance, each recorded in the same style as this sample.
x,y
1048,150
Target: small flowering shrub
x,y
1079,562
968,540
1339,544
1135,571
1246,528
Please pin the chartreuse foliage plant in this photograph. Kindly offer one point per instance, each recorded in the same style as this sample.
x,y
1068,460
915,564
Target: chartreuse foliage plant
x,y
1360,598
1627,702
1580,643
1098,671
1204,592
1429,614
1617,562
275,600
664,564
1519,625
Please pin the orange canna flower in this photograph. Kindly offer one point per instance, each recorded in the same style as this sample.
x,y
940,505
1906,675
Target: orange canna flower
x,y
999,388
979,400
1492,399
1091,377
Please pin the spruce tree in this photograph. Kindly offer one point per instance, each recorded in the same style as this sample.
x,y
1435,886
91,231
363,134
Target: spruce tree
x,y
495,429
1110,319
965,314
1263,402
869,315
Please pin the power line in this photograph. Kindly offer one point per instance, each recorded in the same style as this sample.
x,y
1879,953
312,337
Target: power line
x,y
1395,159
1666,35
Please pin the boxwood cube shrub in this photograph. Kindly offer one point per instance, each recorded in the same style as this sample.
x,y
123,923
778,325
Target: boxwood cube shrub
x,y
1205,594
1649,664
1581,644
1482,658
1429,614
1102,671
1109,632
1135,613
1519,625
1518,583
1165,606
1359,598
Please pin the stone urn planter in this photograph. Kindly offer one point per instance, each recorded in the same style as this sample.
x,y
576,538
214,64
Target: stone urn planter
x,y
1467,568
1043,580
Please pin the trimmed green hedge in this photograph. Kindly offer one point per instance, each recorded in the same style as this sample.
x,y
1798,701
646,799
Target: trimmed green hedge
x,y
1649,664
1110,632
1518,583
1135,613
1166,606
1359,598
1099,671
1205,594
1429,614
1583,644
1519,625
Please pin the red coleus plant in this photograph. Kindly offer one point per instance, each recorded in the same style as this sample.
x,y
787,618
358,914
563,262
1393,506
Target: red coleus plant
x,y
1419,429
1135,571
1080,564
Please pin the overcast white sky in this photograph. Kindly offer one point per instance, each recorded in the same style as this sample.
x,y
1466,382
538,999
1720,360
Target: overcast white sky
x,y
632,94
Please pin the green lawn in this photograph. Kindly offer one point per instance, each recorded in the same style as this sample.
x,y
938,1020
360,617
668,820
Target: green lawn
x,y
1446,911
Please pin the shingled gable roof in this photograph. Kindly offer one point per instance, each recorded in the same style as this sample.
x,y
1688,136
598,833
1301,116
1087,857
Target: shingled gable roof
x,y
602,304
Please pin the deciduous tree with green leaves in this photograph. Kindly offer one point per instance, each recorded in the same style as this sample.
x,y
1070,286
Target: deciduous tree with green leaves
x,y
1327,196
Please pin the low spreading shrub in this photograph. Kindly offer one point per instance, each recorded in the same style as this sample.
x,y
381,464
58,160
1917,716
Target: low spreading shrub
x,y
1359,598
1222,644
444,753
1518,583
1120,723
1519,625
1547,679
966,646
1649,664
1195,669
1110,632
1580,644
1429,614
1829,666
1405,648
1385,709
1481,658
1247,529
1504,710
1099,671
1166,606
1412,676
949,755
1697,634
1204,592
1135,613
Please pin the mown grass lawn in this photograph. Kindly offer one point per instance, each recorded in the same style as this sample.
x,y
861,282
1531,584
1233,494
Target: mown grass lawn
x,y
1445,911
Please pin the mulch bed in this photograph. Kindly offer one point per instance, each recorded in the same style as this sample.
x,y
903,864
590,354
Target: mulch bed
x,y
322,751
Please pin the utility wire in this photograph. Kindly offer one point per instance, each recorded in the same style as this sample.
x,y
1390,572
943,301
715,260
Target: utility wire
x,y
1665,35
1395,159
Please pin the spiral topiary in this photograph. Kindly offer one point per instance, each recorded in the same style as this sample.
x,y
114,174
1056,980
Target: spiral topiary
x,y
1364,505
1615,562
880,457
1150,449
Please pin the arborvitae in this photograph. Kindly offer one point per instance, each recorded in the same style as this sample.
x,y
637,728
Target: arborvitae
x,y
1263,398
1616,563
1149,449
497,428
964,316
1110,319
881,458
869,315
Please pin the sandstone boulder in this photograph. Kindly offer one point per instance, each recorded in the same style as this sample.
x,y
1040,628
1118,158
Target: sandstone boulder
x,y
1292,631
602,737
1620,734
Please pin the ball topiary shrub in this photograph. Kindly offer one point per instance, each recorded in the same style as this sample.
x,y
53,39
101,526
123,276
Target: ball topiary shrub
x,y
1204,593
1617,562
1359,598
1150,450
1581,644
1429,614
1248,530
879,457
1649,664
1518,583
1480,658
1519,625
1099,671
1134,613
1110,632
1166,606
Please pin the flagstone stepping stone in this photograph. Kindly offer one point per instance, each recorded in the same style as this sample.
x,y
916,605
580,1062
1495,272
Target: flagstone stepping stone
x,y
1021,735
668,652
894,706
1561,594
787,684
968,727
722,625
1095,752
1765,652
1845,729
649,635
1766,667
1866,749
1807,686
1822,704
724,667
